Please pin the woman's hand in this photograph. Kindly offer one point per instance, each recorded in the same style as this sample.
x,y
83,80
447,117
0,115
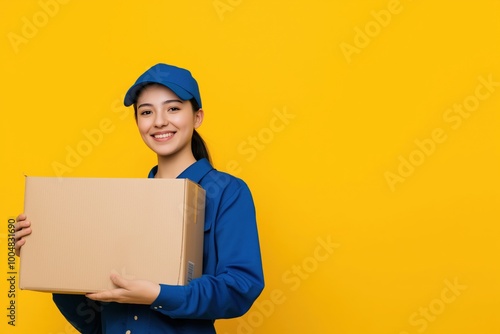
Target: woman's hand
x,y
22,228
129,291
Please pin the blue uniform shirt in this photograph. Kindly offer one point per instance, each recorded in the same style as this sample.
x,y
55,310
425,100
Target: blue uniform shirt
x,y
232,271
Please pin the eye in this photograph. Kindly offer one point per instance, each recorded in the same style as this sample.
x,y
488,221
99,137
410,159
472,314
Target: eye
x,y
173,109
145,112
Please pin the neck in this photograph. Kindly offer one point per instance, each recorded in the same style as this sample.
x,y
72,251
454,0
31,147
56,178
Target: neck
x,y
171,167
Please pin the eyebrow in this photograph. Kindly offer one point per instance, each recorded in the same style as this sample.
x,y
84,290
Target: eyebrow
x,y
164,102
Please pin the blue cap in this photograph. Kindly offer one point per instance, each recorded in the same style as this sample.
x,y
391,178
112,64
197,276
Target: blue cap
x,y
178,80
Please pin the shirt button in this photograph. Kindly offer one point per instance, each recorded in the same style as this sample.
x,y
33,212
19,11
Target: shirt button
x,y
160,306
155,308
135,317
128,332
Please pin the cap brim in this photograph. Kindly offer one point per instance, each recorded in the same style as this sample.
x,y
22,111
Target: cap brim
x,y
131,96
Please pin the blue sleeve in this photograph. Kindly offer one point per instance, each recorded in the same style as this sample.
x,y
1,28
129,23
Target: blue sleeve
x,y
84,314
238,278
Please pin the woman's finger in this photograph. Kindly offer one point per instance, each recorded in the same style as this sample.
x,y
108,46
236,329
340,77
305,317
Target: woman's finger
x,y
18,246
119,281
22,216
22,233
22,225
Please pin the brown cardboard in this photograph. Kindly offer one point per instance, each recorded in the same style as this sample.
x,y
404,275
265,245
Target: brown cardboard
x,y
84,229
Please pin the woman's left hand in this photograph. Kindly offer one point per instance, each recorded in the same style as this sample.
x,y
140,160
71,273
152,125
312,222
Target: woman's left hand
x,y
128,291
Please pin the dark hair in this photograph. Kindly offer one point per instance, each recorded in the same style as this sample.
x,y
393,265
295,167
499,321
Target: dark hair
x,y
198,146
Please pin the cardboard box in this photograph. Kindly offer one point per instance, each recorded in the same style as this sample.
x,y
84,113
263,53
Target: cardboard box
x,y
86,228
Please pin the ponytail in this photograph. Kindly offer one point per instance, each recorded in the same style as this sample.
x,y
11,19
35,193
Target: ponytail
x,y
198,145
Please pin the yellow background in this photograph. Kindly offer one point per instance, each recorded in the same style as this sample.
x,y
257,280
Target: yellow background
x,y
357,84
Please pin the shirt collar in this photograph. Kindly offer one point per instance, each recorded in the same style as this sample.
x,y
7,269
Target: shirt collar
x,y
195,172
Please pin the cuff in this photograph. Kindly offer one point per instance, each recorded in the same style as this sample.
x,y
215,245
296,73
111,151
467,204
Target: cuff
x,y
170,298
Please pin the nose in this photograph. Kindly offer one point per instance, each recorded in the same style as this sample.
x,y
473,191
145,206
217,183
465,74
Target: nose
x,y
161,119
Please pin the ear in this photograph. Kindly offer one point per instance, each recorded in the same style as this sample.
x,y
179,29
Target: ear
x,y
198,118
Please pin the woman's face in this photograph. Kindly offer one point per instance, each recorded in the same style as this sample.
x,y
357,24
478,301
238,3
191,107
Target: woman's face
x,y
165,122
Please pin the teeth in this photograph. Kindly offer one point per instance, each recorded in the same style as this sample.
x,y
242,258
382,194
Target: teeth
x,y
164,135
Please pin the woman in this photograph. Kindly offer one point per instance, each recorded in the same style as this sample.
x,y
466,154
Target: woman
x,y
168,111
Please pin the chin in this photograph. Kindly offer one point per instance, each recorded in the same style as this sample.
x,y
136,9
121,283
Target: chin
x,y
164,153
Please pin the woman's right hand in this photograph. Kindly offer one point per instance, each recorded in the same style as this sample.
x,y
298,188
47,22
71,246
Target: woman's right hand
x,y
22,228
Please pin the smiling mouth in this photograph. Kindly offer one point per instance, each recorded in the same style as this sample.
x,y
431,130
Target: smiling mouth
x,y
163,135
